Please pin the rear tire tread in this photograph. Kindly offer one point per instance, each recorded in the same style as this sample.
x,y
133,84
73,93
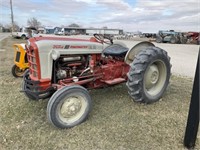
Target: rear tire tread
x,y
137,71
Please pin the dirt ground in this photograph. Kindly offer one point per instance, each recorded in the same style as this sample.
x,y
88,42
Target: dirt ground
x,y
116,122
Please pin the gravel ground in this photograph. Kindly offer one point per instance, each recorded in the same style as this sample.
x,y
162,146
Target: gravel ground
x,y
116,122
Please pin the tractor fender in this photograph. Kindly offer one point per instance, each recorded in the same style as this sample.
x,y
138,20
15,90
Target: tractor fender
x,y
130,55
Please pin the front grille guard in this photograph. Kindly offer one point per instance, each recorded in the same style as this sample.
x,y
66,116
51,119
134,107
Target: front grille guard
x,y
33,67
34,89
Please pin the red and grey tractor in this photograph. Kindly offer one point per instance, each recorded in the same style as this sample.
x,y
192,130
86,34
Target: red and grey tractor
x,y
63,69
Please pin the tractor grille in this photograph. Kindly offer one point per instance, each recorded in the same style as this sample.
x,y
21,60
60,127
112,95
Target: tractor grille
x,y
32,63
17,57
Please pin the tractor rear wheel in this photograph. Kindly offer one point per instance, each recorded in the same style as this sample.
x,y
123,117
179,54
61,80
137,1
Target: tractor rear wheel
x,y
149,75
17,72
159,39
69,106
183,40
173,40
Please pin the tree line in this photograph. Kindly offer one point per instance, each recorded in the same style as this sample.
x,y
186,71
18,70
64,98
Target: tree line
x,y
31,22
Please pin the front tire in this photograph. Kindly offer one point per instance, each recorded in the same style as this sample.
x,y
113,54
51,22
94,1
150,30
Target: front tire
x,y
149,75
23,37
17,72
69,106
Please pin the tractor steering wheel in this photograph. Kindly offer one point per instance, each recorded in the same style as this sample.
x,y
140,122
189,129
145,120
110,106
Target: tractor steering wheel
x,y
101,37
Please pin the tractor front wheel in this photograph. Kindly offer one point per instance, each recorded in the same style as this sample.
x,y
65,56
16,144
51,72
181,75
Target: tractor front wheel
x,y
69,106
17,72
149,75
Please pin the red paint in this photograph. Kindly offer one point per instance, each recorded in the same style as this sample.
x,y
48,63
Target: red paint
x,y
58,47
57,39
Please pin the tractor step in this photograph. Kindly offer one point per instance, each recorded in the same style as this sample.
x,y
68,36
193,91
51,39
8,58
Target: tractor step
x,y
114,81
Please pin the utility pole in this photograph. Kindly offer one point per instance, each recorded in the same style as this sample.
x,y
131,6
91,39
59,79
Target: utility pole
x,y
12,18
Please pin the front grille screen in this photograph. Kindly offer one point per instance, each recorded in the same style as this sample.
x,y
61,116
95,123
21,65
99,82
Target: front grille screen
x,y
17,57
33,63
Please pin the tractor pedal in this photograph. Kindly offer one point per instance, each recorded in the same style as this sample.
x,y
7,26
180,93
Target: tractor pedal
x,y
114,81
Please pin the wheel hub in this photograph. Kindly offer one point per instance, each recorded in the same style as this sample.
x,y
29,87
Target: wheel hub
x,y
152,76
19,71
70,107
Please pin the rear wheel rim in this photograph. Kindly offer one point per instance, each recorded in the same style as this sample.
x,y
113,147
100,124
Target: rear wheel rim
x,y
155,78
19,72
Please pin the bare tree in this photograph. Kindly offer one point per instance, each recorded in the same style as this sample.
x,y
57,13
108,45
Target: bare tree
x,y
15,26
33,22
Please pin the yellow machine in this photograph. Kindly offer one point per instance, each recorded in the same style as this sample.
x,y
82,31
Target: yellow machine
x,y
20,60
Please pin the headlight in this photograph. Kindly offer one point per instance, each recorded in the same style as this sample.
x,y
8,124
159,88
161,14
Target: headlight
x,y
55,54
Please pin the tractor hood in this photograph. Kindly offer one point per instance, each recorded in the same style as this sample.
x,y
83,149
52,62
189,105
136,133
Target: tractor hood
x,y
66,45
48,49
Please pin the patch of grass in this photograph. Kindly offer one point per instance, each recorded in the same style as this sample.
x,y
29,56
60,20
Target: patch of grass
x,y
116,122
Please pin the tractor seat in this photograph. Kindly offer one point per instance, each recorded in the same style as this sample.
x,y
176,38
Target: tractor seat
x,y
115,50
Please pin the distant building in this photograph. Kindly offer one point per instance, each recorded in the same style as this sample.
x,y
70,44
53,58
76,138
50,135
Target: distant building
x,y
72,31
89,31
57,30
79,30
49,30
41,30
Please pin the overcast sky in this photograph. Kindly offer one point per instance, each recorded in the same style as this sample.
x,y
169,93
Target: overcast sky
x,y
129,15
